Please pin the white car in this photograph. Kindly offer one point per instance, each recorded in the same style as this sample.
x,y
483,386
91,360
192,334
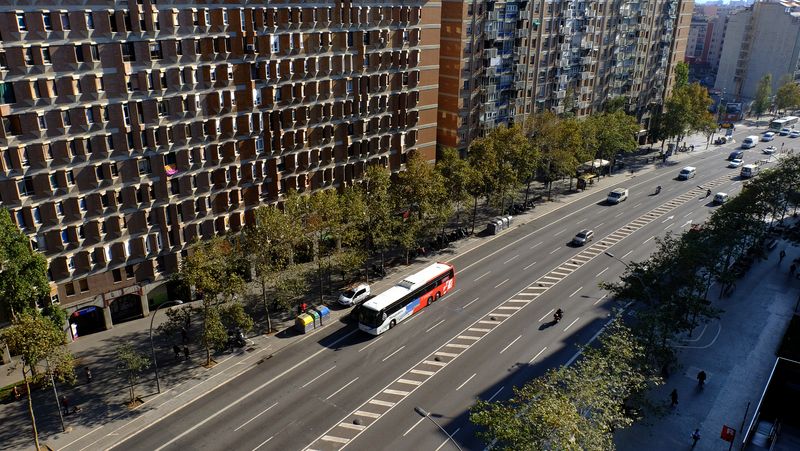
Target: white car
x,y
617,195
354,294
785,131
768,136
794,134
720,198
769,150
735,163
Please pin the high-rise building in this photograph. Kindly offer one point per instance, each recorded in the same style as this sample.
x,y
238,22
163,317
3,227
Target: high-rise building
x,y
130,131
761,39
573,56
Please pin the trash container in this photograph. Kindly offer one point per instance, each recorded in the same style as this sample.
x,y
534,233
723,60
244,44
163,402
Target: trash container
x,y
314,316
324,312
304,323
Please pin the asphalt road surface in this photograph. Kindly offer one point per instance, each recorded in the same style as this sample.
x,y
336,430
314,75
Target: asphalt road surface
x,y
493,332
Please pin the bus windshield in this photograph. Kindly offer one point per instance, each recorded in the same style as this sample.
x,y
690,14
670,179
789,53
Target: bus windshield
x,y
370,317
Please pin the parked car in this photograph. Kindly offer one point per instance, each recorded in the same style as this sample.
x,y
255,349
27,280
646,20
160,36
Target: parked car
x,y
769,150
583,237
617,195
735,163
724,140
354,294
768,136
794,134
785,131
720,198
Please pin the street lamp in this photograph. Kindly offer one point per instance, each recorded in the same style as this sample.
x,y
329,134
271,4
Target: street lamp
x,y
633,273
152,347
427,415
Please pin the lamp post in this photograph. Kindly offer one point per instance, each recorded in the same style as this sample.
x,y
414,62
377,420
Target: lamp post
x,y
152,347
644,285
427,415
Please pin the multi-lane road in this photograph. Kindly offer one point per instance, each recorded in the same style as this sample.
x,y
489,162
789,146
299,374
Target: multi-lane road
x,y
491,333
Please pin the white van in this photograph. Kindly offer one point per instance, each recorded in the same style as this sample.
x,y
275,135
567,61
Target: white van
x,y
749,142
749,170
687,173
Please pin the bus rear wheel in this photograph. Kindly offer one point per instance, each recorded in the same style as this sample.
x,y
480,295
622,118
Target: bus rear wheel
x,y
392,324
438,295
430,300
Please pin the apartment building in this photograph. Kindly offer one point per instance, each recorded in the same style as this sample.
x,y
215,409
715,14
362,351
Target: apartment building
x,y
130,129
572,56
760,39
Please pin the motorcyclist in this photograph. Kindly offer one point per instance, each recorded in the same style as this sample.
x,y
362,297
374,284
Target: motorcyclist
x,y
658,189
558,315
708,192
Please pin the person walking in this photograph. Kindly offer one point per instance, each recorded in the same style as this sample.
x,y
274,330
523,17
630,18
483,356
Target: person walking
x,y
186,352
674,397
88,373
701,379
695,437
781,256
65,404
177,352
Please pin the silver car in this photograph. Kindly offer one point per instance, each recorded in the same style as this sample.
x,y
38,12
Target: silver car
x,y
583,237
354,295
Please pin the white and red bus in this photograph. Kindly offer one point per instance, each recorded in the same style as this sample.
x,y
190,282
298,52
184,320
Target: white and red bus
x,y
409,296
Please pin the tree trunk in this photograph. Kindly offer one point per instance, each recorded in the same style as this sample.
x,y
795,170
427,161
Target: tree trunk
x,y
474,213
266,306
30,410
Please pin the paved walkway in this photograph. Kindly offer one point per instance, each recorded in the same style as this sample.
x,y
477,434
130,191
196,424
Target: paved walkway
x,y
737,352
103,416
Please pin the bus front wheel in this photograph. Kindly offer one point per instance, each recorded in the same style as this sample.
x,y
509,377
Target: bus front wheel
x,y
392,323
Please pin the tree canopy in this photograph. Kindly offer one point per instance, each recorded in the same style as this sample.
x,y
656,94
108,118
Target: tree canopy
x,y
23,279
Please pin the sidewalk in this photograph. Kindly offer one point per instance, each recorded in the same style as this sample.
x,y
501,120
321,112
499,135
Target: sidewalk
x,y
181,381
737,353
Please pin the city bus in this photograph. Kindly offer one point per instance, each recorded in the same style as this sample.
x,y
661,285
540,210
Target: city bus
x,y
409,296
784,122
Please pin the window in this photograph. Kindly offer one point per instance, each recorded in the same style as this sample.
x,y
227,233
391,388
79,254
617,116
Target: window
x,y
78,53
21,219
60,209
53,181
42,123
127,51
37,215
25,160
21,22
48,23
70,178
225,17
89,115
129,270
155,51
46,55
53,87
65,21
65,118
349,86
90,21
117,275
25,186
84,284
98,170
71,266
70,289
28,54
95,53
82,203
65,236
144,166
275,44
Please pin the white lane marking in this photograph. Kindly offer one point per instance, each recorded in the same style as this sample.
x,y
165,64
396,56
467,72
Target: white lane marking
x,y
412,427
535,245
251,419
440,322
669,218
689,222
501,283
627,254
469,303
263,443
451,293
646,241
480,277
537,355
546,315
601,272
526,268
371,343
688,214
637,205
572,323
560,232
601,298
576,292
447,439
395,352
620,214
669,226
253,391
320,375
510,259
343,387
582,220
555,250
509,345
496,393
465,382
598,225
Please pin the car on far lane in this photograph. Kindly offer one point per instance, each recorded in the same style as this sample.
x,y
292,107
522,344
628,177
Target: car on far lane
x,y
769,150
794,134
354,294
583,237
735,163
785,131
768,136
720,198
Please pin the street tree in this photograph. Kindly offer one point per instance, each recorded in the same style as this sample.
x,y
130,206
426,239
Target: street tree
x,y
233,316
763,96
681,74
614,104
614,133
687,112
43,355
788,94
211,270
457,175
23,272
500,158
379,225
132,363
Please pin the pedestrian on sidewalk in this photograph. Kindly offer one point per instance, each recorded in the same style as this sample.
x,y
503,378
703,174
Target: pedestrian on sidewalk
x,y
88,374
177,352
674,397
695,437
186,352
781,256
65,404
17,394
701,378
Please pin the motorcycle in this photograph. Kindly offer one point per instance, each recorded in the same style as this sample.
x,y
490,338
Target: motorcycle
x,y
658,189
558,315
236,338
